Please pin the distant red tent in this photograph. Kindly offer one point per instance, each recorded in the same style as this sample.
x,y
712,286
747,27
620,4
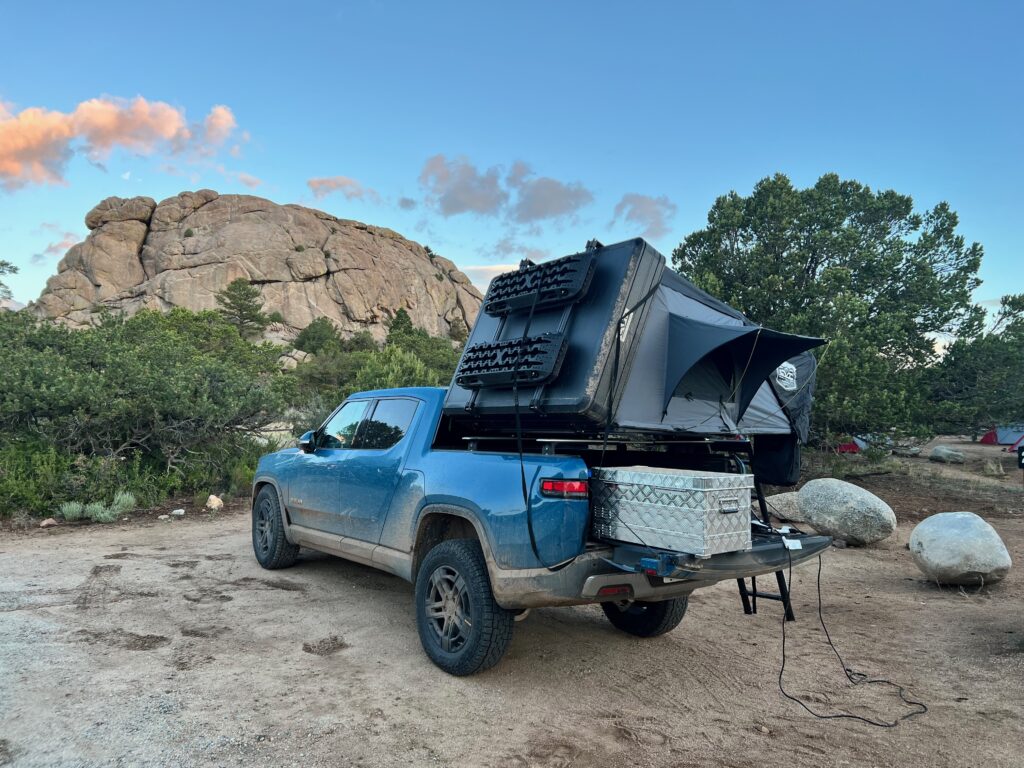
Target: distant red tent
x,y
850,447
989,438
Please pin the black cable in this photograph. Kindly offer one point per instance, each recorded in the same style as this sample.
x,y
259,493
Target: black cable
x,y
856,678
519,432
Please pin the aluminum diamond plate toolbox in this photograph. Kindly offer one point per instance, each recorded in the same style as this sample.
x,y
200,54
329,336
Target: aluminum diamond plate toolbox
x,y
694,511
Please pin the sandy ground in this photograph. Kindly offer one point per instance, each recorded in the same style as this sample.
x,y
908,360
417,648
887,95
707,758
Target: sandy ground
x,y
163,643
984,464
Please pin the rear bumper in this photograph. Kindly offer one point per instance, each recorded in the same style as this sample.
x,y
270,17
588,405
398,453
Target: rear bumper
x,y
580,582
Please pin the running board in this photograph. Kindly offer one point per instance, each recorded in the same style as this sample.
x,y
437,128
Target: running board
x,y
374,555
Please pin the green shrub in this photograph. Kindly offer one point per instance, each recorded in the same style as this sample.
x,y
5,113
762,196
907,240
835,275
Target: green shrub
x,y
99,512
459,331
318,334
72,510
394,367
437,354
300,248
189,232
124,501
151,405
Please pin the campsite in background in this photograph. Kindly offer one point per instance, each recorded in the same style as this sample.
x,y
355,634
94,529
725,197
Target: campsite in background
x,y
519,385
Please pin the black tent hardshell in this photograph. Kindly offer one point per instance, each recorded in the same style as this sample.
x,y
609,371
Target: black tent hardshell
x,y
611,339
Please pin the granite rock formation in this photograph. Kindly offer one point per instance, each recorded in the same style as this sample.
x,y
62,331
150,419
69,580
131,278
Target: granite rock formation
x,y
182,251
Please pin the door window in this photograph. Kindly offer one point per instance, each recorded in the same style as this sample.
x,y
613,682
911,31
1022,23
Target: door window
x,y
340,431
388,424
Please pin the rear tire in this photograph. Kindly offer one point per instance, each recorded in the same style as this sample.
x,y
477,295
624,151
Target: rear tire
x,y
462,628
643,619
269,543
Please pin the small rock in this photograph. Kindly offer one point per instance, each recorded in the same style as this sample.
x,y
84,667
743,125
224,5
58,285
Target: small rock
x,y
164,517
946,455
48,523
959,548
214,503
839,543
293,358
178,512
845,511
763,729
906,452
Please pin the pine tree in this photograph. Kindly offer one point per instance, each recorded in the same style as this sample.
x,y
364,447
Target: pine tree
x,y
241,304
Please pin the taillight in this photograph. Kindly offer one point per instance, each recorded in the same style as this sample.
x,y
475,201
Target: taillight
x,y
621,591
564,489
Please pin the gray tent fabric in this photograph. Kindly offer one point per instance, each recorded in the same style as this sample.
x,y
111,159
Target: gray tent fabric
x,y
766,413
702,367
745,355
689,341
793,384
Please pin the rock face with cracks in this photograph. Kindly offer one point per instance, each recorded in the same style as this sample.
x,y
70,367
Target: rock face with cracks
x,y
182,251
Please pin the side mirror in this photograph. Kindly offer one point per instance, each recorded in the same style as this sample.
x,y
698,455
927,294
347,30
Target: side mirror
x,y
307,443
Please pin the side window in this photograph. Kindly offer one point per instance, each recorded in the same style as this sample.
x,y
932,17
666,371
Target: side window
x,y
340,431
388,424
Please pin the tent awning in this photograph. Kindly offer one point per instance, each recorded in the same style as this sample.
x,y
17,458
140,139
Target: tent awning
x,y
743,354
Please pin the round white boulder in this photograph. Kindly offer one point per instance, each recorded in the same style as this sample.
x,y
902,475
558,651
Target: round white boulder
x,y
845,511
959,548
786,506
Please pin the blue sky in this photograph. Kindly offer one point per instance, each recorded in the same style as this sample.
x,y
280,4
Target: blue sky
x,y
493,131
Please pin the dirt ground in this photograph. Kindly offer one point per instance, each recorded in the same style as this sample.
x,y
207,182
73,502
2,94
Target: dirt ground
x,y
163,643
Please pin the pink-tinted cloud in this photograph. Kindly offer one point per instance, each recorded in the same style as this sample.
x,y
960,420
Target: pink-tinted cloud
x,y
651,213
456,186
482,274
249,180
219,125
34,147
349,187
36,143
57,247
138,125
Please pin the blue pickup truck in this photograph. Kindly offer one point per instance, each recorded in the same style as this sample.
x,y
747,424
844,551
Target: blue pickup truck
x,y
484,529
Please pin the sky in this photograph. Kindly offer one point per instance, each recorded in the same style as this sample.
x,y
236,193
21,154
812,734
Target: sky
x,y
493,132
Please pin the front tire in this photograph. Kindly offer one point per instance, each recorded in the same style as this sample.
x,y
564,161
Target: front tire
x,y
643,619
462,628
269,543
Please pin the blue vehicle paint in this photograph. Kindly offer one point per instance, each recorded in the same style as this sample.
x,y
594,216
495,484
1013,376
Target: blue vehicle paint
x,y
378,496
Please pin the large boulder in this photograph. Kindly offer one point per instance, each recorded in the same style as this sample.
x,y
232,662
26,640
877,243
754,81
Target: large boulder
x,y
843,510
946,455
786,506
959,548
182,251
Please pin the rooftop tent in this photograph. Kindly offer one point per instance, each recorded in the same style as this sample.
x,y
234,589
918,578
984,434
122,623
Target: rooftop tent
x,y
743,356
608,337
702,367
